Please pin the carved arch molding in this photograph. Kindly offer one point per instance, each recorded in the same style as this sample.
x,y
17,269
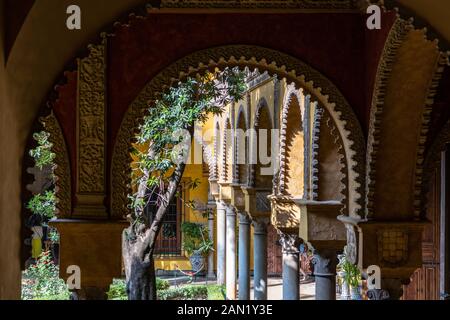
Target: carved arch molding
x,y
403,39
62,165
274,62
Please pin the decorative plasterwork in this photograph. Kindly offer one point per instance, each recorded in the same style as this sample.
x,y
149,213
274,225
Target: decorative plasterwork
x,y
338,142
262,104
216,153
239,153
318,113
62,166
91,128
402,26
396,37
291,91
260,4
392,246
91,121
225,156
275,63
208,155
419,197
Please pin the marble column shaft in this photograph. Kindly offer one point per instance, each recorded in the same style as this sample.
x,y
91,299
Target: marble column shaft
x,y
260,258
325,262
231,253
244,256
221,242
291,266
211,274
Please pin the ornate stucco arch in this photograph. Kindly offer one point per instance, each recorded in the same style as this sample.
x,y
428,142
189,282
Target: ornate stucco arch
x,y
262,103
390,79
241,141
226,154
292,92
275,63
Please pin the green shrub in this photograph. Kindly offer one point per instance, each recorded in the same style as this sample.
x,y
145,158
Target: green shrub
x,y
191,292
43,154
216,292
162,284
43,204
118,289
42,282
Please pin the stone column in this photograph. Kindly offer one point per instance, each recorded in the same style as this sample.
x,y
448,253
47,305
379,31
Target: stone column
x,y
231,253
244,256
325,262
221,242
211,274
260,258
291,268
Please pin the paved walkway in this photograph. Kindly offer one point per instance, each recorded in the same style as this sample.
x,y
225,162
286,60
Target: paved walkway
x,y
275,290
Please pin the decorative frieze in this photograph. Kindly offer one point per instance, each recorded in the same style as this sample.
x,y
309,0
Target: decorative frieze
x,y
91,132
260,4
318,113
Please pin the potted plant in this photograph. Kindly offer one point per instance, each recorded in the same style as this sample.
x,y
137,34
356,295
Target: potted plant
x,y
197,244
352,276
343,284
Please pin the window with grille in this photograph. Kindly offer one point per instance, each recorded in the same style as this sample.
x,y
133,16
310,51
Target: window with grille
x,y
168,243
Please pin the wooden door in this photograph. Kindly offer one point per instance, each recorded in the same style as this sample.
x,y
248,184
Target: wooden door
x,y
274,254
425,281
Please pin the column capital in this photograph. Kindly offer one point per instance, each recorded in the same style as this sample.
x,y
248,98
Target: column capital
x,y
325,262
260,225
378,294
230,210
244,218
289,243
221,205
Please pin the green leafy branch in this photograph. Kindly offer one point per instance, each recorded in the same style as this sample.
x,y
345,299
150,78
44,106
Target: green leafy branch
x,y
167,130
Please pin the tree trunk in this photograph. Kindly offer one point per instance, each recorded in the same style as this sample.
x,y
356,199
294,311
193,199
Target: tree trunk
x,y
140,273
138,253
141,285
